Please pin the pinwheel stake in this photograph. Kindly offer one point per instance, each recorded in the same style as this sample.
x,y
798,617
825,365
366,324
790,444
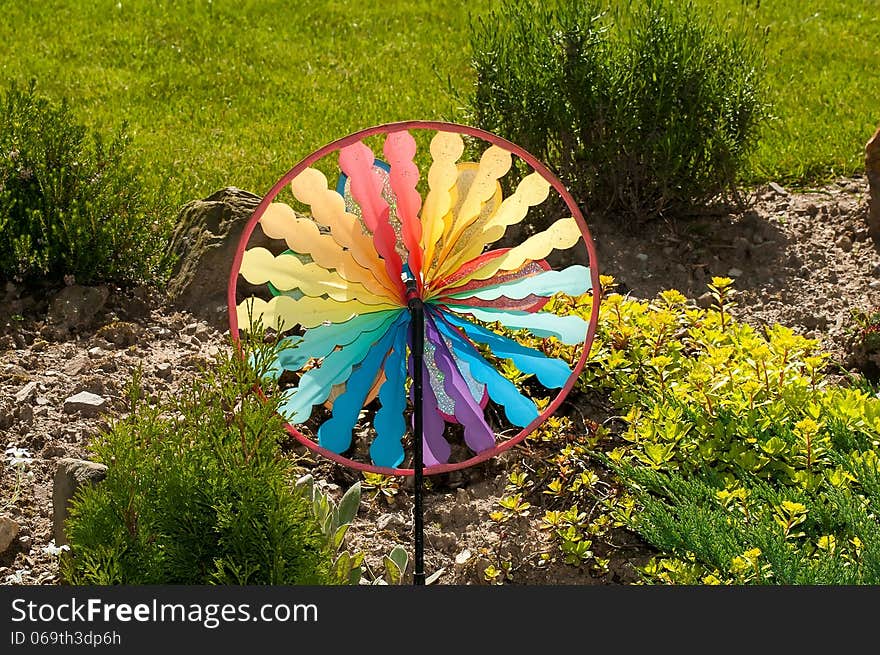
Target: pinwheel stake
x,y
417,317
393,274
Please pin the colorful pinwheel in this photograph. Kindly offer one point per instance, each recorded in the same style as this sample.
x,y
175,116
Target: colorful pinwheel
x,y
336,282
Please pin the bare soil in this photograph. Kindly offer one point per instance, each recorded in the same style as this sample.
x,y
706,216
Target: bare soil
x,y
801,259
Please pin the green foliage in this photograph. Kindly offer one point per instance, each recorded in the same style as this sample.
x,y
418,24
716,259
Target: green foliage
x,y
648,110
729,450
334,520
742,462
198,79
395,564
198,493
864,342
71,204
384,486
214,92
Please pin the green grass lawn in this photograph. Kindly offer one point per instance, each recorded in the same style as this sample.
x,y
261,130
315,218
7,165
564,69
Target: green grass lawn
x,y
824,77
235,92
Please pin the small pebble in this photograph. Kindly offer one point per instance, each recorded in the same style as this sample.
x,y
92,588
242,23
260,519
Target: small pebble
x,y
778,189
164,370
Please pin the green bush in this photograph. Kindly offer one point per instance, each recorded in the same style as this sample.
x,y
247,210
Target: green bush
x,y
71,204
198,493
643,112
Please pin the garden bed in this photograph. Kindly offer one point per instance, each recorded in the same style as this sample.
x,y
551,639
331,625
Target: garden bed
x,y
800,259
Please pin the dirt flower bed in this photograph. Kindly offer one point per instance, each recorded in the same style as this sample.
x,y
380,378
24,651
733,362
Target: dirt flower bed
x,y
804,260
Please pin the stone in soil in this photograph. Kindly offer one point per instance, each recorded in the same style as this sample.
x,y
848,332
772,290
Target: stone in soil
x,y
76,365
205,240
70,475
164,370
119,333
778,189
86,404
74,307
24,394
8,532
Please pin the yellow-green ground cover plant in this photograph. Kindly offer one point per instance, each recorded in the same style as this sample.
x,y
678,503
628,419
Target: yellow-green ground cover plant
x,y
730,451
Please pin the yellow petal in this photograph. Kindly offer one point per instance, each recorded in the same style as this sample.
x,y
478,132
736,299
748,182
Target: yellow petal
x,y
563,234
531,191
494,163
446,148
328,208
284,312
287,272
302,235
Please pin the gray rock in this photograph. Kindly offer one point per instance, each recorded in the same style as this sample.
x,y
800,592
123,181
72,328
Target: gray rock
x,y
119,333
24,394
8,532
205,241
390,522
706,300
812,321
778,189
164,370
872,168
70,475
85,403
136,306
734,272
76,365
74,307
845,243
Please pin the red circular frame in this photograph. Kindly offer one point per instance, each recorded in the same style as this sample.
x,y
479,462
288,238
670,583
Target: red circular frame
x,y
446,127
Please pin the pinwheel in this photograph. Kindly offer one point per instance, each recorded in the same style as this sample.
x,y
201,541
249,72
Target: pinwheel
x,y
407,299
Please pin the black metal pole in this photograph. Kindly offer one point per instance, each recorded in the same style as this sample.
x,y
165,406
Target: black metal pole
x,y
417,315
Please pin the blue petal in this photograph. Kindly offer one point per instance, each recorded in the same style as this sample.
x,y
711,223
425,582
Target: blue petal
x,y
519,410
552,373
335,433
